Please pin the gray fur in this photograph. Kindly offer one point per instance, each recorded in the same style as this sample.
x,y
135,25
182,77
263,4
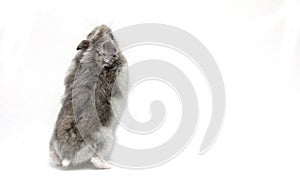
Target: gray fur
x,y
96,80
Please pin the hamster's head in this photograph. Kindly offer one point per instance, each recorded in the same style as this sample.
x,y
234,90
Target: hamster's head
x,y
101,41
98,33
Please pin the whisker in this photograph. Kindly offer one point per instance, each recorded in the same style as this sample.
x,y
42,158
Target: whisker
x,y
111,23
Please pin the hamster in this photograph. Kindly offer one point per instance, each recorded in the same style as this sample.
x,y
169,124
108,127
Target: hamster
x,y
85,127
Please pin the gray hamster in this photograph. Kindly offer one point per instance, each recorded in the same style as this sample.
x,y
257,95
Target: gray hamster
x,y
85,127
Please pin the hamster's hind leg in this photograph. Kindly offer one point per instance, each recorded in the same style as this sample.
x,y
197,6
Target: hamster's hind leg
x,y
100,158
55,158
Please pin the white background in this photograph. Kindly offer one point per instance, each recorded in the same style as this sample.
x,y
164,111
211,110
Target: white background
x,y
255,43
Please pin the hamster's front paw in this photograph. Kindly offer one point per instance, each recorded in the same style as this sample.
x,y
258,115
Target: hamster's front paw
x,y
100,163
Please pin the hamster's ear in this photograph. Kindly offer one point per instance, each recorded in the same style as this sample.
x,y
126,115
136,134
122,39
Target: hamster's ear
x,y
84,44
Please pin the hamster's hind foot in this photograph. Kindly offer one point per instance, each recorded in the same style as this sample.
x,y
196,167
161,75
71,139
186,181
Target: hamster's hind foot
x,y
100,163
65,162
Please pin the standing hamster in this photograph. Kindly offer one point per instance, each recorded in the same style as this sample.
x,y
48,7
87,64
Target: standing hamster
x,y
86,124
